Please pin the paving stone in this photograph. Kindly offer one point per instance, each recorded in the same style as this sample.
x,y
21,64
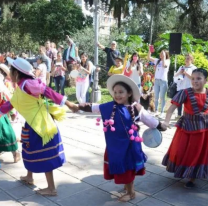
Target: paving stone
x,y
152,202
6,200
9,183
152,183
169,175
154,169
178,195
20,192
36,200
111,187
68,186
92,197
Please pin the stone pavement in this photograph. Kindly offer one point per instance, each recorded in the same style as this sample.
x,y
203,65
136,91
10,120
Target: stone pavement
x,y
80,181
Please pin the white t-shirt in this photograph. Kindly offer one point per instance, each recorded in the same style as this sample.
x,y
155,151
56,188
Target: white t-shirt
x,y
42,67
135,74
185,82
160,71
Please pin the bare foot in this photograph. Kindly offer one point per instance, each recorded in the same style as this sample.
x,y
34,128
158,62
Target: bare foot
x,y
46,192
27,180
127,197
17,157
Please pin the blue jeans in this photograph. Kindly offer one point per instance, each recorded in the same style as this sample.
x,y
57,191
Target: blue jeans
x,y
160,89
59,84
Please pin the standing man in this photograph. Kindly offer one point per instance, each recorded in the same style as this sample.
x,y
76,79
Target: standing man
x,y
111,52
70,57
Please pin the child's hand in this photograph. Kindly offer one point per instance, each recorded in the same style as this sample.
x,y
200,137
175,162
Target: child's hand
x,y
72,106
164,127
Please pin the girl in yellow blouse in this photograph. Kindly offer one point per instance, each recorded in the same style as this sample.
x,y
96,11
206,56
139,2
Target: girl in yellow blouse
x,y
118,68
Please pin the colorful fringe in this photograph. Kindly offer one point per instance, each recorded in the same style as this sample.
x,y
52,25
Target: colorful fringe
x,y
196,172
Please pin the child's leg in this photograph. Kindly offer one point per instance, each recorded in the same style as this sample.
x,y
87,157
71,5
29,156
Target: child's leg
x,y
50,190
130,193
28,178
16,156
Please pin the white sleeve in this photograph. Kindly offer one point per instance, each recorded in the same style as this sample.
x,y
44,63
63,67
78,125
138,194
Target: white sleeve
x,y
155,61
147,118
95,108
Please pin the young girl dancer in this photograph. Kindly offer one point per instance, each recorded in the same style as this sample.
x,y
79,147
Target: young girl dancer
x,y
123,158
42,148
187,156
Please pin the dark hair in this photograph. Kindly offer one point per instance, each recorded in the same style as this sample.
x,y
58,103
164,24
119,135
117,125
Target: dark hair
x,y
20,74
166,55
202,71
128,89
85,65
138,61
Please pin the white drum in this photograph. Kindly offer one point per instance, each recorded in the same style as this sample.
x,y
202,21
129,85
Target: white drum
x,y
152,138
74,74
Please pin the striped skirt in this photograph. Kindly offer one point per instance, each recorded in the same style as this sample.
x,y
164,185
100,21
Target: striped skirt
x,y
187,156
38,158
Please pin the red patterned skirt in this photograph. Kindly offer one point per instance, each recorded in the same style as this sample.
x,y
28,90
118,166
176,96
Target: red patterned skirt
x,y
124,178
187,156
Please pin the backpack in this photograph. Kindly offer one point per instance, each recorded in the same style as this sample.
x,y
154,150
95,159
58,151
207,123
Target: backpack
x,y
172,90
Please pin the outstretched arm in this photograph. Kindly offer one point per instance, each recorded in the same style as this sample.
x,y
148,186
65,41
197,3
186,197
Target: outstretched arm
x,y
89,107
100,46
170,111
148,119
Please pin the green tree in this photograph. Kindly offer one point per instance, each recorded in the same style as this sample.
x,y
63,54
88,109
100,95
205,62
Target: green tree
x,y
52,20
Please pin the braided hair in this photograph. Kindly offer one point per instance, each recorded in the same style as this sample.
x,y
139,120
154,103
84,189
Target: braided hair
x,y
130,108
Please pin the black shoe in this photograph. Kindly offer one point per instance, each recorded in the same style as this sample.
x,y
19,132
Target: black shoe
x,y
189,185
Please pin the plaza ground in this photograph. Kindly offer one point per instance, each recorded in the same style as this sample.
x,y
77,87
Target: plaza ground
x,y
80,181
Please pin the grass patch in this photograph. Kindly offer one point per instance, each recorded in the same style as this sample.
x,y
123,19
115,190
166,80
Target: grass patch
x,y
70,92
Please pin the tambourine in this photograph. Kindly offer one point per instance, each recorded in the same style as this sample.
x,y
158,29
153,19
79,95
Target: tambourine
x,y
74,74
152,138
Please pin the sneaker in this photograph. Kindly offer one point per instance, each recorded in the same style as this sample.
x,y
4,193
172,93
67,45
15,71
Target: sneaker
x,y
156,113
162,115
189,185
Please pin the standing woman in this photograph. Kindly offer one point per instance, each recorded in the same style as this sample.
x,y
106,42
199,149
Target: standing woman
x,y
82,81
183,77
161,79
41,70
59,74
134,69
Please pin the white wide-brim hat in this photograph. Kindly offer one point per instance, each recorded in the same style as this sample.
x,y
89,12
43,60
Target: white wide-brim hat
x,y
5,68
21,65
122,78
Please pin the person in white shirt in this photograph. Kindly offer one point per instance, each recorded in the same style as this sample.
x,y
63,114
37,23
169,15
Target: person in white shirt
x,y
183,76
135,68
161,79
41,70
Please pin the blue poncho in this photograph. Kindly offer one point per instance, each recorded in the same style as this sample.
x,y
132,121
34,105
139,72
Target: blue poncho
x,y
123,154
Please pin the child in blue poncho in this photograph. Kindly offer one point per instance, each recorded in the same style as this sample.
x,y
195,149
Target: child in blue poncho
x,y
123,158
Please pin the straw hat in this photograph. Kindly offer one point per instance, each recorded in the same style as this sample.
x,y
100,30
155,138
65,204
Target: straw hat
x,y
5,68
21,65
122,78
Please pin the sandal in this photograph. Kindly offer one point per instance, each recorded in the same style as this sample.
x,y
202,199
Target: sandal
x,y
46,192
17,157
127,197
27,180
